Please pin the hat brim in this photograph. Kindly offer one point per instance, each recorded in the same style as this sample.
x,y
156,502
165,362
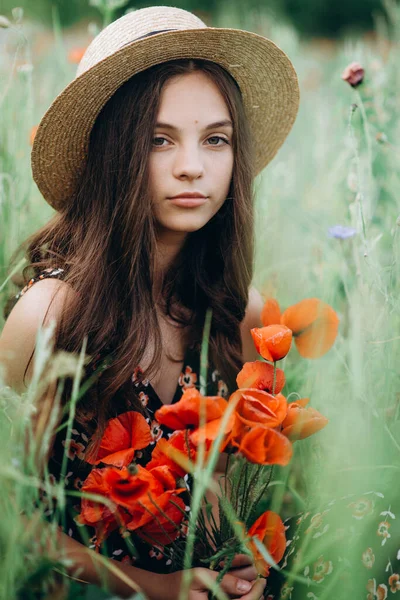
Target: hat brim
x,y
265,75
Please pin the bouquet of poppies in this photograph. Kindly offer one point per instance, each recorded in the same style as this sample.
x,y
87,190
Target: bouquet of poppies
x,y
256,427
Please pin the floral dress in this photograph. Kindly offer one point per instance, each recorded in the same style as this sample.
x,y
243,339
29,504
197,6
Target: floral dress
x,y
347,550
75,470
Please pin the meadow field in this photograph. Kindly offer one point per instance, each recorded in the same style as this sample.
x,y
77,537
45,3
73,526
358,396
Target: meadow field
x,y
327,226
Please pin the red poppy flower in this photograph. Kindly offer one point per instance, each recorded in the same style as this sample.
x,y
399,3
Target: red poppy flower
x,y
164,476
256,407
270,530
186,412
272,342
96,514
210,431
158,520
178,446
271,313
75,55
125,488
122,437
314,325
301,422
260,375
264,446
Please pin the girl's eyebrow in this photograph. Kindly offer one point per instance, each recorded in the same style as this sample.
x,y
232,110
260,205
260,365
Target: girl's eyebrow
x,y
216,125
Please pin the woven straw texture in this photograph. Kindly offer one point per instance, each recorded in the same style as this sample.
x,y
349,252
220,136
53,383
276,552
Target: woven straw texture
x,y
264,73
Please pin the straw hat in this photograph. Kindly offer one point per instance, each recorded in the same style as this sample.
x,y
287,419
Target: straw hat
x,y
137,41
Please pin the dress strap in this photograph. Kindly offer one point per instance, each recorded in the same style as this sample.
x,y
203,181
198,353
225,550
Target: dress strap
x,y
56,273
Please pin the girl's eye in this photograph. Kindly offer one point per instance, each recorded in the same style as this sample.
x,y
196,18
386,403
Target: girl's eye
x,y
215,139
158,141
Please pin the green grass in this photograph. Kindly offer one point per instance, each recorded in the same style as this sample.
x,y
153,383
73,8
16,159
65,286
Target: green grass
x,y
338,166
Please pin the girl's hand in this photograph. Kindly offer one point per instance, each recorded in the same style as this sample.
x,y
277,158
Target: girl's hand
x,y
243,567
232,586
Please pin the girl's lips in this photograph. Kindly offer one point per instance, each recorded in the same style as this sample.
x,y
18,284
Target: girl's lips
x,y
188,202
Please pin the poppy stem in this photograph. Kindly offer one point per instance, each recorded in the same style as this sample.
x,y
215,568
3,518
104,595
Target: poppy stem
x,y
204,352
226,472
274,379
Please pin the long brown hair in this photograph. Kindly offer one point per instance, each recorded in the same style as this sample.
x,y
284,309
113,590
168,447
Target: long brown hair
x,y
104,238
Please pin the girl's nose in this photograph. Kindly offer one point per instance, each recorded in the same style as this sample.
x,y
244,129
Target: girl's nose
x,y
188,163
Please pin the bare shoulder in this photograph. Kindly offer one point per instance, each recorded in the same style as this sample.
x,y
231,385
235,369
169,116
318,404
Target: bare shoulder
x,y
251,319
42,303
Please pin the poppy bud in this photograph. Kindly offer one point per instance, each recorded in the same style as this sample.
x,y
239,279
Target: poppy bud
x,y
353,74
75,55
272,342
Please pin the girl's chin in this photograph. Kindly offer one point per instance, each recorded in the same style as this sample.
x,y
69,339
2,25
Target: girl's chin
x,y
184,225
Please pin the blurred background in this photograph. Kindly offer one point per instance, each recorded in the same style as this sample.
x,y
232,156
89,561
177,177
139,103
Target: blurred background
x,y
309,17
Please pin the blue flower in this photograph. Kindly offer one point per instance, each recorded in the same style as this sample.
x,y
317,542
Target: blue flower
x,y
341,232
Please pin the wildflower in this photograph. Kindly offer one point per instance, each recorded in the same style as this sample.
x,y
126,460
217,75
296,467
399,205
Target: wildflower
x,y
265,446
341,232
158,520
126,488
314,325
271,312
272,342
270,530
260,375
176,453
186,412
75,55
381,137
210,431
353,74
33,134
122,437
256,407
104,518
301,422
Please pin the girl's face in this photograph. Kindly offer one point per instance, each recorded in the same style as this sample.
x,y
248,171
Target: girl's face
x,y
192,154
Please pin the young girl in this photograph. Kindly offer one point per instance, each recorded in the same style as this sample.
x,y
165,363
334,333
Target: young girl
x,y
148,157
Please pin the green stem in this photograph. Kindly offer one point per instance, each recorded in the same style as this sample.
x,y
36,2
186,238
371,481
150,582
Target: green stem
x,y
204,352
274,379
239,486
227,464
264,488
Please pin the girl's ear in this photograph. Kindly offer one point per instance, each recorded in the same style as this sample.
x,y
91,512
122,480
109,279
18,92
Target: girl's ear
x,y
251,319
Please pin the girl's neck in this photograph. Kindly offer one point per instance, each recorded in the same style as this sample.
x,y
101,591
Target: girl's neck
x,y
169,245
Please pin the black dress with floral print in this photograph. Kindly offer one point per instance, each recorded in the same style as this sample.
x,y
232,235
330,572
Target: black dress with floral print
x,y
75,470
348,549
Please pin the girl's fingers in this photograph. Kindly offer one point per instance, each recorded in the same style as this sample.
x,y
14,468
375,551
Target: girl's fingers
x,y
242,560
256,591
249,573
236,587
